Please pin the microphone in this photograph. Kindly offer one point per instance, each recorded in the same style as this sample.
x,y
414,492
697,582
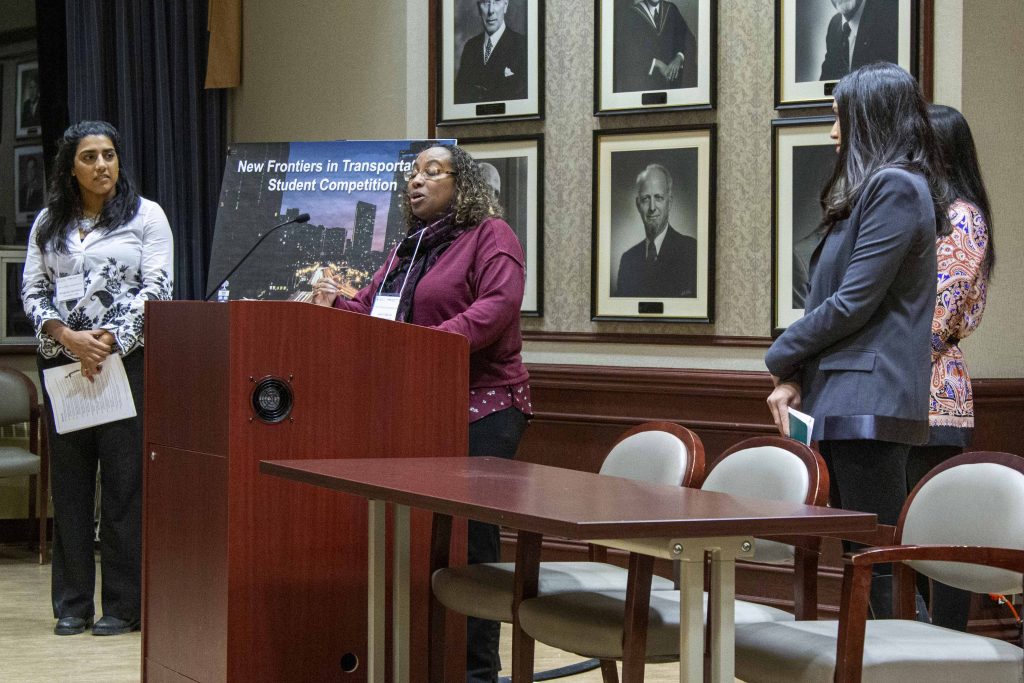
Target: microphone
x,y
301,218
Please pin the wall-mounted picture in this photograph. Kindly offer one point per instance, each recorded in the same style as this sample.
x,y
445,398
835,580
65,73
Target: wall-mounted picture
x,y
514,166
654,55
491,61
803,157
653,236
817,42
30,184
28,121
15,327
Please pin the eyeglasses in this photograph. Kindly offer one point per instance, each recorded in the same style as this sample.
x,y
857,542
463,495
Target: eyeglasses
x,y
428,174
487,4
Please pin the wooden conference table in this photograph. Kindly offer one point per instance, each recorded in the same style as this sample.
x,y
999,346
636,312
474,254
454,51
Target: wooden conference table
x,y
537,500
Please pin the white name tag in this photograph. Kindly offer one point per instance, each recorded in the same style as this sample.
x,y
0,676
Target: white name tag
x,y
70,287
385,306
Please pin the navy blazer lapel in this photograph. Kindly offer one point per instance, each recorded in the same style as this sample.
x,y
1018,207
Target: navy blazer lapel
x,y
817,251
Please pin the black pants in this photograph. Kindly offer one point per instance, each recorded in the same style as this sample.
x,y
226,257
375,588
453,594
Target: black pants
x,y
497,434
116,448
869,476
949,607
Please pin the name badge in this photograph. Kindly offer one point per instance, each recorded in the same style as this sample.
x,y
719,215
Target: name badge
x,y
385,306
70,287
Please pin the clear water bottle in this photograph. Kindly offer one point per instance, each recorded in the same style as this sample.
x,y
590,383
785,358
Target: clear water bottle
x,y
223,293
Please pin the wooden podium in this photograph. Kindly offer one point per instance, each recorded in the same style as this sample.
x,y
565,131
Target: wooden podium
x,y
247,577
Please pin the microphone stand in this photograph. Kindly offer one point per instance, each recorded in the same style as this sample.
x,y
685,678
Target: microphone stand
x,y
301,218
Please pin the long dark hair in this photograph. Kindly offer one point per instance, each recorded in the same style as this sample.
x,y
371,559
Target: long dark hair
x,y
64,201
473,199
883,123
960,160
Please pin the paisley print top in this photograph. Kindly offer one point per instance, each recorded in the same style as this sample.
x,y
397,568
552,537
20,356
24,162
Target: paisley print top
x,y
960,303
122,269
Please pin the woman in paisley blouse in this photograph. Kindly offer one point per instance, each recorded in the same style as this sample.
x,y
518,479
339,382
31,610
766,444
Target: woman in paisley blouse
x,y
96,254
965,263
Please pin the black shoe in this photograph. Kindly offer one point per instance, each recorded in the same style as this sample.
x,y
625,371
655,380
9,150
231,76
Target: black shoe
x,y
71,626
112,626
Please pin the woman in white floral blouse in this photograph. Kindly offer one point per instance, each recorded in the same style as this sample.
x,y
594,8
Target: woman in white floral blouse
x,y
96,254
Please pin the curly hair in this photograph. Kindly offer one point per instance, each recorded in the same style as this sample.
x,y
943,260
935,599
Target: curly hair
x,y
473,199
64,199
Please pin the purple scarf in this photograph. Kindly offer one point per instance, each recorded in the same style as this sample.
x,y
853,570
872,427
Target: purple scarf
x,y
436,238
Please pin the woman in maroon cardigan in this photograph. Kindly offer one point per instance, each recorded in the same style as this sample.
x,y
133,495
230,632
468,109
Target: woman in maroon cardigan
x,y
460,269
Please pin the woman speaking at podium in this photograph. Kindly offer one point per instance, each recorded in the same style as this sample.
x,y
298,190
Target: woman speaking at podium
x,y
96,254
460,269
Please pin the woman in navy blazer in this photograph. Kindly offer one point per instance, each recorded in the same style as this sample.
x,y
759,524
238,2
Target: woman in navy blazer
x,y
859,360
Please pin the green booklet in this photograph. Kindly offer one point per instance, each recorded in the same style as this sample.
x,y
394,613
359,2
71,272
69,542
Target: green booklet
x,y
801,426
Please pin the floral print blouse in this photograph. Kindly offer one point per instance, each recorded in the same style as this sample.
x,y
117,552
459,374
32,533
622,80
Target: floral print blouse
x,y
122,269
960,303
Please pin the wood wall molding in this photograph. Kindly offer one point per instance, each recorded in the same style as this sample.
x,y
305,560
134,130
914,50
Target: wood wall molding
x,y
632,338
587,406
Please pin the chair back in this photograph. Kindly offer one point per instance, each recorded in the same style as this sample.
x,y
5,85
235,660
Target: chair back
x,y
772,467
975,499
657,452
17,397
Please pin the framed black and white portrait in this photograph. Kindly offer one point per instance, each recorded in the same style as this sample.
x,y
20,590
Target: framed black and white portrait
x,y
27,101
491,61
29,183
817,42
803,157
654,55
514,167
653,231
15,326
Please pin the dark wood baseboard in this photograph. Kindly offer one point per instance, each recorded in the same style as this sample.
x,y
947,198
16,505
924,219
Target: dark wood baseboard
x,y
18,531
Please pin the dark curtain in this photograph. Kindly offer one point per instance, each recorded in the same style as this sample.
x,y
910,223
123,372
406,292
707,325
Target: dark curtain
x,y
141,66
51,48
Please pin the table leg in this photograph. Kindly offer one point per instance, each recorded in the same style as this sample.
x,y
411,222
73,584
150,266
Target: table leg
x,y
723,622
400,595
527,572
376,587
691,616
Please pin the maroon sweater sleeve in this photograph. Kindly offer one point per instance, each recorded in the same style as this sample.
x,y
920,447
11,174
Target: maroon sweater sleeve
x,y
499,278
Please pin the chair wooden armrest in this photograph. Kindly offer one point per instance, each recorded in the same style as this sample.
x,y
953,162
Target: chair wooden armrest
x,y
1011,559
857,585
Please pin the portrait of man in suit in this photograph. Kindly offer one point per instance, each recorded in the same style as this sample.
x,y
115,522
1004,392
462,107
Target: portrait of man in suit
x,y
28,89
860,32
30,185
664,263
654,47
494,62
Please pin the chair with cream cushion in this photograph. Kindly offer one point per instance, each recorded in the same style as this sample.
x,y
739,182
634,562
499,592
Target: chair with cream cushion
x,y
592,623
19,404
968,512
659,452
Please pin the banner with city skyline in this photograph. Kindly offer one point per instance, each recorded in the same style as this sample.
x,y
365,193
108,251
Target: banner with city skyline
x,y
350,188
